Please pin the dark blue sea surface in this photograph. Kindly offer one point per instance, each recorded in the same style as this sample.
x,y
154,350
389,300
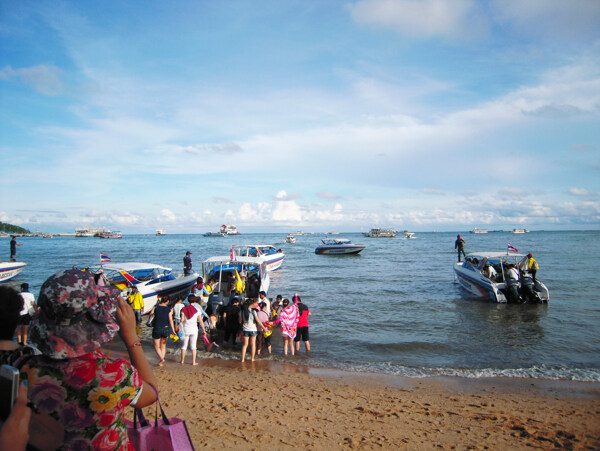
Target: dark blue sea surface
x,y
396,307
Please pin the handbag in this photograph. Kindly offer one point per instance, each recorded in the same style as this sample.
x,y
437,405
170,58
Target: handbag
x,y
150,322
169,434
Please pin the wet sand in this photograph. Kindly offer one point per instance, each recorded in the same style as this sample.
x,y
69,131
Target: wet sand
x,y
276,405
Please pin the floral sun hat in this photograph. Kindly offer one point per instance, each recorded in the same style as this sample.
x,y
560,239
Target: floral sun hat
x,y
75,316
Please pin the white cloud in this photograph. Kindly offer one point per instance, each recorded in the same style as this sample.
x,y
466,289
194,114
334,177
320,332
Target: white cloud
x,y
582,192
43,78
422,18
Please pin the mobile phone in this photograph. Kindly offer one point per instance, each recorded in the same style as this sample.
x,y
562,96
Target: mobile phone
x,y
9,389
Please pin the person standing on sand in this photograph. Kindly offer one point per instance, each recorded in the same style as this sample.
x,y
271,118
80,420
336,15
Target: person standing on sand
x,y
264,317
163,327
249,320
459,245
302,332
190,316
13,248
187,264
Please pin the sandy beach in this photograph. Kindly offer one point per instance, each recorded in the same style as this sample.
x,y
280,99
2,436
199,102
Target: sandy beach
x,y
274,405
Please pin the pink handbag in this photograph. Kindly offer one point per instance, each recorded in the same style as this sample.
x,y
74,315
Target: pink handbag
x,y
169,434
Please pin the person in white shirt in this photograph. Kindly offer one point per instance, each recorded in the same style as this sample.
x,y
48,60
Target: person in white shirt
x,y
29,308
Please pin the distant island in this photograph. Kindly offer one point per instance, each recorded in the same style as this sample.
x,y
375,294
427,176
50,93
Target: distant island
x,y
12,229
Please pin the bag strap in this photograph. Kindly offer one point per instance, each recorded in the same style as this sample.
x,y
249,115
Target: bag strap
x,y
162,412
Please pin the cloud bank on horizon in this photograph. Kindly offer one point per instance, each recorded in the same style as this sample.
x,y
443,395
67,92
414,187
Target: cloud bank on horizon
x,y
424,115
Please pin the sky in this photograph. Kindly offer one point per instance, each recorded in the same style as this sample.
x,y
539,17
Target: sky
x,y
318,115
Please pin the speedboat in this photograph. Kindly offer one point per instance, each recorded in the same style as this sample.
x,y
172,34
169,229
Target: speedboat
x,y
380,233
227,273
485,275
274,257
338,246
160,232
409,235
291,239
8,270
151,280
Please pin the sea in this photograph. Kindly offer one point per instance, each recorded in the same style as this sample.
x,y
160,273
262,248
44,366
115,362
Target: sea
x,y
396,308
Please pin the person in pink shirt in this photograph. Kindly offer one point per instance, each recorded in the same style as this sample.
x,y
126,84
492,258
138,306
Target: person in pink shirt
x,y
302,331
288,318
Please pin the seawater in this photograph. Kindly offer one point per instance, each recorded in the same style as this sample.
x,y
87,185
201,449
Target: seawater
x,y
396,308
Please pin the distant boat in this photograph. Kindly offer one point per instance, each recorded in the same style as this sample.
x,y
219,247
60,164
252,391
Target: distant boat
x,y
225,230
479,231
409,235
298,233
519,231
291,239
380,233
160,232
107,234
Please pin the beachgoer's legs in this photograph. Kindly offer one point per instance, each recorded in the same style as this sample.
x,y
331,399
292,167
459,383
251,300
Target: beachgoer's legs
x,y
244,347
184,344
252,347
157,350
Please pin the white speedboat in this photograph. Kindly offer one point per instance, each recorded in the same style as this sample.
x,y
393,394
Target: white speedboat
x,y
476,277
291,239
380,233
160,232
274,257
409,235
151,280
8,270
338,246
476,230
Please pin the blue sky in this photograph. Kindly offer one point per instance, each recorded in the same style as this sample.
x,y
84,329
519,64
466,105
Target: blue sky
x,y
320,115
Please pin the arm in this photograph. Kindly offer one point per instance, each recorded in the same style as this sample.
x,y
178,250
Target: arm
x,y
127,332
14,434
171,321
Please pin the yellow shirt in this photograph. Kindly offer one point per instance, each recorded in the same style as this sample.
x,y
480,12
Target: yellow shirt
x,y
533,264
136,300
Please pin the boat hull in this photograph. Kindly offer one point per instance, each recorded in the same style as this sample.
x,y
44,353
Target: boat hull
x,y
274,261
339,250
8,270
178,287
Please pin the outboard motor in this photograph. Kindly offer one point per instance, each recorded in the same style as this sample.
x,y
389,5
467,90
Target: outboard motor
x,y
528,289
513,290
215,300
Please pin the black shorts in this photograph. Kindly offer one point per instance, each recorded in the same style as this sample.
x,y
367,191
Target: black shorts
x,y
302,333
24,320
163,332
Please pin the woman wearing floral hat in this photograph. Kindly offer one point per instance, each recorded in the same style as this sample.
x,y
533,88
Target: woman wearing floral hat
x,y
73,383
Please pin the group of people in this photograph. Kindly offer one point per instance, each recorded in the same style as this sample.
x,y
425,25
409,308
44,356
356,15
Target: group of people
x,y
73,395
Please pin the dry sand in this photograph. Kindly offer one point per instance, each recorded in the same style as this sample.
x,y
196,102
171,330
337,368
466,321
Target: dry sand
x,y
274,405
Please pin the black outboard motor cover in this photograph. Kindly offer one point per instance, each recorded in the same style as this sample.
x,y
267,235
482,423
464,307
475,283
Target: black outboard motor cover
x,y
528,290
513,291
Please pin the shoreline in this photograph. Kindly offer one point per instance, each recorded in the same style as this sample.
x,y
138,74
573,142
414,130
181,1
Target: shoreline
x,y
282,405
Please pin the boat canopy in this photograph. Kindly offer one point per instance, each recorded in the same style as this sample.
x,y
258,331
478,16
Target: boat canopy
x,y
250,250
333,241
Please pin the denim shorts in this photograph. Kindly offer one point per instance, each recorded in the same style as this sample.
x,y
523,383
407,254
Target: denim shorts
x,y
250,333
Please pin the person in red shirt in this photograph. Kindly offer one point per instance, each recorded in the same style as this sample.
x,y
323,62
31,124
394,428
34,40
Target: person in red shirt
x,y
302,332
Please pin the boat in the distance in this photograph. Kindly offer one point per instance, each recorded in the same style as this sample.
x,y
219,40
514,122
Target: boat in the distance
x,y
224,230
160,232
409,235
380,233
107,234
274,257
338,246
291,239
151,280
297,233
476,230
8,270
519,230
479,280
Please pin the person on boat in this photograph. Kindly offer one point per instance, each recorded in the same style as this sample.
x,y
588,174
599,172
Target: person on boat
x,y
13,248
162,328
288,318
187,264
250,322
136,300
532,265
459,245
489,272
302,332
528,288
29,308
